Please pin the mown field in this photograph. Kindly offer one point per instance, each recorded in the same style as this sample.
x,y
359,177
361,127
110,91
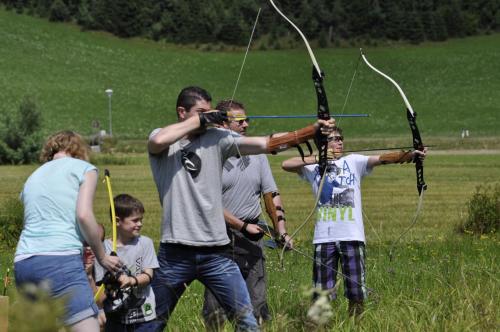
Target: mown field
x,y
452,85
439,280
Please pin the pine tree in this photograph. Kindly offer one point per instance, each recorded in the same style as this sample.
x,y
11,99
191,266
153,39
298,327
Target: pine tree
x,y
428,24
413,30
395,21
441,31
59,12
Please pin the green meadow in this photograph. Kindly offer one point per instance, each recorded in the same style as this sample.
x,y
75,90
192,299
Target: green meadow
x,y
451,85
439,279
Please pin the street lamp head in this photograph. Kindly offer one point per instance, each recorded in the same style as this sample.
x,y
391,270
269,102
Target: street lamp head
x,y
109,92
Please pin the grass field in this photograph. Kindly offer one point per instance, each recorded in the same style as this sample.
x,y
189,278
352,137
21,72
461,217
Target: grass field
x,y
439,280
452,85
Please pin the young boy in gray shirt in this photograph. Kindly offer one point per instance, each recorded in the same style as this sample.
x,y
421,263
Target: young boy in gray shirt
x,y
130,301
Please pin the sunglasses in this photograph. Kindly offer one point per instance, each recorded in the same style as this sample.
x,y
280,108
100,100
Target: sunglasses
x,y
335,138
240,121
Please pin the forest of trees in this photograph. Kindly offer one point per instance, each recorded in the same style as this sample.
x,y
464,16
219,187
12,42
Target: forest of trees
x,y
328,22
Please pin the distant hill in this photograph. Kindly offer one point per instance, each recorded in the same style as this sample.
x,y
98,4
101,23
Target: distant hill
x,y
451,85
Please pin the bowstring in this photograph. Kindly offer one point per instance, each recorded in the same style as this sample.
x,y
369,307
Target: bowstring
x,y
324,173
239,76
350,86
231,133
410,109
245,57
313,210
413,222
319,262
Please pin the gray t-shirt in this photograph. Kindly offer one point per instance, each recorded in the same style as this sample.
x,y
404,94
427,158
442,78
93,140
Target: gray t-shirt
x,y
243,181
137,255
188,176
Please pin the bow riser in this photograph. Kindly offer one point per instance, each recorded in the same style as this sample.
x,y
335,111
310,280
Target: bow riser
x,y
323,109
417,145
324,114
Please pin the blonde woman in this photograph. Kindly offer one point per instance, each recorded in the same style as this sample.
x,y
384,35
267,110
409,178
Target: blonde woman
x,y
58,216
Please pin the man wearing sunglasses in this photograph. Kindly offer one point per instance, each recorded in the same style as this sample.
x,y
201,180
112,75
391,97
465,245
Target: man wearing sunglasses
x,y
339,232
244,180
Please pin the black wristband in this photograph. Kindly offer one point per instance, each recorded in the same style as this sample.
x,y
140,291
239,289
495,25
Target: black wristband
x,y
279,208
203,120
149,277
253,237
136,281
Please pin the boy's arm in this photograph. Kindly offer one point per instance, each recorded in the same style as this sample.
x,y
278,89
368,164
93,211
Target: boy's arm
x,y
141,280
295,164
399,157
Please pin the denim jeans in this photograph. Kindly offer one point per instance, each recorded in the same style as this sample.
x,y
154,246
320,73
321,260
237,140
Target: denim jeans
x,y
180,265
114,326
66,277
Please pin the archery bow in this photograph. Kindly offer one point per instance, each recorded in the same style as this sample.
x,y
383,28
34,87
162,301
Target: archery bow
x,y
323,112
417,145
107,179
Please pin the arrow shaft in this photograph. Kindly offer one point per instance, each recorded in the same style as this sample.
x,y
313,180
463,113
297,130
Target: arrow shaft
x,y
306,116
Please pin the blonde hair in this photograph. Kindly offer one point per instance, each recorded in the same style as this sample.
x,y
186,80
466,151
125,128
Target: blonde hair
x,y
67,141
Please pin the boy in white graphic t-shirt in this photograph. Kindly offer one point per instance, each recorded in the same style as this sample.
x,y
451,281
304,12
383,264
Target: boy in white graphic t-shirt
x,y
339,232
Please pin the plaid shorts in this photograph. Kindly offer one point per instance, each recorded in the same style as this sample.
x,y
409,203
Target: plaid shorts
x,y
352,258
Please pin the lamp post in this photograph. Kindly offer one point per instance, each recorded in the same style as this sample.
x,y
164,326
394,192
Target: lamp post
x,y
109,92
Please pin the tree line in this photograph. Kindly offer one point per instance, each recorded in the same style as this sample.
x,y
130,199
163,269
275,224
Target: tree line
x,y
328,22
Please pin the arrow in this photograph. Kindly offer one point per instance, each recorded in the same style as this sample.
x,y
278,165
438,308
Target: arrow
x,y
306,116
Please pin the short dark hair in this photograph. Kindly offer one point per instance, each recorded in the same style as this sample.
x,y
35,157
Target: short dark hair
x,y
227,105
189,96
126,205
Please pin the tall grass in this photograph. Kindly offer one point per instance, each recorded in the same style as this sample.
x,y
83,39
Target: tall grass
x,y
438,280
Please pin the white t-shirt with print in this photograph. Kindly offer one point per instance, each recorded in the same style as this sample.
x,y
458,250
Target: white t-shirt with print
x,y
339,215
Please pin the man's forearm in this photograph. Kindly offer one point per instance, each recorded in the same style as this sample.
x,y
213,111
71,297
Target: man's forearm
x,y
232,220
279,224
172,133
277,142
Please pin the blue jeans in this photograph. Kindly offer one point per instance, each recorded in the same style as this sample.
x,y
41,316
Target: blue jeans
x,y
180,265
114,326
66,277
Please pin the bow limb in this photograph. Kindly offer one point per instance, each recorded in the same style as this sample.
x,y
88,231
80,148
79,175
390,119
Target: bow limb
x,y
412,121
311,54
323,112
107,180
417,145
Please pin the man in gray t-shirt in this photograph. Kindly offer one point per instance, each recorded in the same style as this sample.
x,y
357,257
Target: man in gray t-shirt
x,y
244,180
186,159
